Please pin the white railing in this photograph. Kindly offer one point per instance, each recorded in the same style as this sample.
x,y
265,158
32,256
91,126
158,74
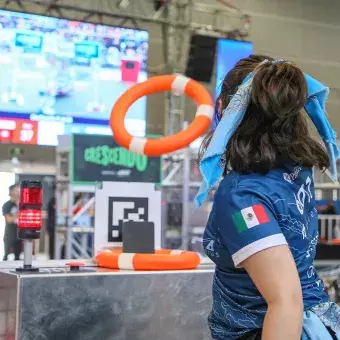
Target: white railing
x,y
329,227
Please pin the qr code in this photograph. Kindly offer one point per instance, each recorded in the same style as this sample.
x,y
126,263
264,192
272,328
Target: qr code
x,y
125,209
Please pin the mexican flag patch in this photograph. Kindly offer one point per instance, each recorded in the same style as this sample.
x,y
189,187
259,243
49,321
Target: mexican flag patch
x,y
250,217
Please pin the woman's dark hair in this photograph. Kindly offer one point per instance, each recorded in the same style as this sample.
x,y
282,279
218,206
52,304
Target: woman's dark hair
x,y
12,187
274,131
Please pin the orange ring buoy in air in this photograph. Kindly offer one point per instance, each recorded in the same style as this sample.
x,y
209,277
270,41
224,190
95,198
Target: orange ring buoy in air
x,y
162,260
156,147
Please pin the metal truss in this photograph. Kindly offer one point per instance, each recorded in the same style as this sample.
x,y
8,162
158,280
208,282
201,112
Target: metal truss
x,y
185,13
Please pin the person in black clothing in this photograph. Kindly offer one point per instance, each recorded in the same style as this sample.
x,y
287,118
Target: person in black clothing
x,y
51,221
328,209
10,212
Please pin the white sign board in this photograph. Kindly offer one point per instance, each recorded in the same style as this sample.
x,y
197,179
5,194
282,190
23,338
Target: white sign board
x,y
119,202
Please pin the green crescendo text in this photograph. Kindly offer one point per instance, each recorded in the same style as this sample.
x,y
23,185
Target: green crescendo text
x,y
105,155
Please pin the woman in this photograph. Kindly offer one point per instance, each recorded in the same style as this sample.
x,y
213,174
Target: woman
x,y
262,231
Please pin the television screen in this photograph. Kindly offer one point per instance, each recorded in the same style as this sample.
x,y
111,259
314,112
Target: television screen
x,y
229,52
66,72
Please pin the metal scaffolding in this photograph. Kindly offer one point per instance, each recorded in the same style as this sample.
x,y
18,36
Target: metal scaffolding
x,y
74,232
186,14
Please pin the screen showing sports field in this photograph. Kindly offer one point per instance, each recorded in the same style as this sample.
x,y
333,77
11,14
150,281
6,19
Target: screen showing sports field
x,y
57,70
229,52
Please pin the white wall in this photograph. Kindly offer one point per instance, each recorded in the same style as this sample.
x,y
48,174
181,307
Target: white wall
x,y
303,31
6,179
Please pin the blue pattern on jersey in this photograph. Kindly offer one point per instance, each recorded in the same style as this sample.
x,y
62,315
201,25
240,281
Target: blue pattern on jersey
x,y
287,196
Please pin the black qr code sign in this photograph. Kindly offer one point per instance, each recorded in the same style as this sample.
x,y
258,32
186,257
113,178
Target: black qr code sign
x,y
125,209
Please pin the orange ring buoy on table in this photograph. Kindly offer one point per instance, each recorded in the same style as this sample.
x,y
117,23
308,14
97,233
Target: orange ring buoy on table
x,y
162,260
156,147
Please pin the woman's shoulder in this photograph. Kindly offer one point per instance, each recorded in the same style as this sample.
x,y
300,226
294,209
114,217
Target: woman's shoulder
x,y
266,186
237,187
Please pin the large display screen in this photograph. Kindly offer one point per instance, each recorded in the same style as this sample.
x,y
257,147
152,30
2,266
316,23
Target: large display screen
x,y
229,52
67,73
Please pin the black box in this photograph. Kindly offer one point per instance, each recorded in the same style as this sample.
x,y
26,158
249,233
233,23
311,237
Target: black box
x,y
201,58
138,237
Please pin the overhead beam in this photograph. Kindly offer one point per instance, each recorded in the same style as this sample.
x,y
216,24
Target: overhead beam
x,y
136,14
18,2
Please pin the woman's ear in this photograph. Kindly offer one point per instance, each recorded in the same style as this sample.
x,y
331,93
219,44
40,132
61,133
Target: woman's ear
x,y
219,103
219,108
217,114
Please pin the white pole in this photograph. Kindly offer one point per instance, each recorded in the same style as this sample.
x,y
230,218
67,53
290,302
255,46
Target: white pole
x,y
28,252
186,188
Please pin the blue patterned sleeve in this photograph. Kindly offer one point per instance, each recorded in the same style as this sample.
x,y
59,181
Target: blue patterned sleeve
x,y
246,222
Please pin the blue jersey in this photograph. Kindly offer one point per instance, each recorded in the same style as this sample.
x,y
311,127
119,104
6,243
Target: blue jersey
x,y
251,213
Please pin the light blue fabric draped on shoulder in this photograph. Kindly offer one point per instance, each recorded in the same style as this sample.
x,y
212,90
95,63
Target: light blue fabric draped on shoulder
x,y
314,322
313,328
233,115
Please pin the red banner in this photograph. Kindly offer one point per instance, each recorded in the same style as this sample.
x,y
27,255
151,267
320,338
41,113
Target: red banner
x,y
19,131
